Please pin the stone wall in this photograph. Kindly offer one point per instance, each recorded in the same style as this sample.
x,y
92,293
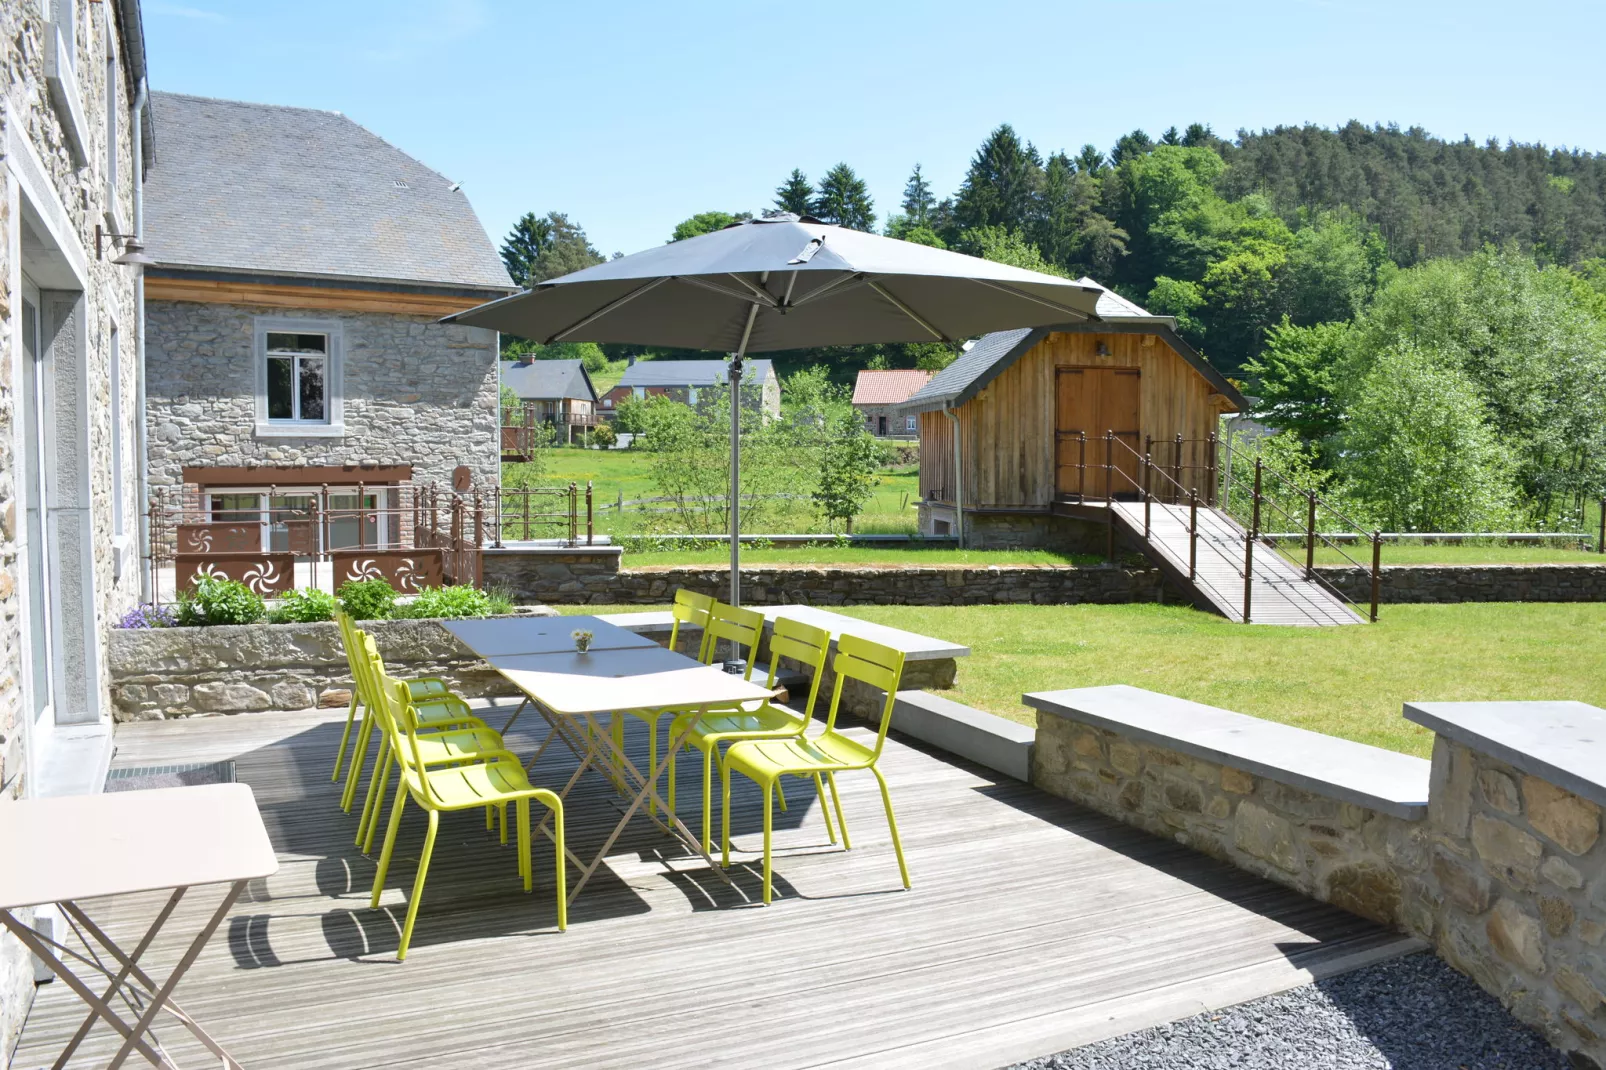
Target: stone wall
x,y
65,197
416,392
591,576
1506,876
1017,530
1473,583
1517,886
160,673
1335,851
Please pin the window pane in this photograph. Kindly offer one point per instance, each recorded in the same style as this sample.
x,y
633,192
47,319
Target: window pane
x,y
279,341
236,508
311,388
280,391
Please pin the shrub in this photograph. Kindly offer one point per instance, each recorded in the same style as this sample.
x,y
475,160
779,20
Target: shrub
x,y
220,601
306,606
449,602
148,615
603,435
367,599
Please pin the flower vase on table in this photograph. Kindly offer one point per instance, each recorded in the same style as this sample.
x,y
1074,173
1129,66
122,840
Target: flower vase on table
x,y
582,640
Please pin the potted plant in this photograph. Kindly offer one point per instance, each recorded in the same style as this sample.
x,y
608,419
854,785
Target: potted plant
x,y
582,639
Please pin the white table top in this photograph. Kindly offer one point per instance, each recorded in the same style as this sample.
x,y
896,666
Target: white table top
x,y
541,635
915,647
85,846
678,689
594,663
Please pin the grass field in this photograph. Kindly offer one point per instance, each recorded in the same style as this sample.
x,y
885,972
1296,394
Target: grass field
x,y
1404,554
1346,682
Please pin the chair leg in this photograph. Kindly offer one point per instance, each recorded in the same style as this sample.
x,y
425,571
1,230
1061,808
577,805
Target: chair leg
x,y
345,737
390,847
725,807
825,808
359,758
674,752
418,885
563,873
842,822
892,825
780,790
375,803
526,868
708,797
652,761
769,824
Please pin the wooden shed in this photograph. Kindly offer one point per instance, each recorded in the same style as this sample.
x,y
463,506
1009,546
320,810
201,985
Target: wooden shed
x,y
1033,418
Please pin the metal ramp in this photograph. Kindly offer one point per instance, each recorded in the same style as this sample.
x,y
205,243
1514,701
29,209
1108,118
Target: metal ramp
x,y
1278,592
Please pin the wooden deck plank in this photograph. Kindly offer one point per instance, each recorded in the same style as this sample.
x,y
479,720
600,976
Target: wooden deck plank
x,y
1032,925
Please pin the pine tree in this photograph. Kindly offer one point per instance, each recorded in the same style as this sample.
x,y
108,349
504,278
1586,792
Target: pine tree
x,y
918,200
795,194
1090,161
1137,143
1001,186
524,244
844,199
1198,135
1170,137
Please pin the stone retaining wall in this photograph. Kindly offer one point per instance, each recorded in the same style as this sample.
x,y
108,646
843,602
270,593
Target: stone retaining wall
x,y
178,672
1334,851
1506,876
1401,584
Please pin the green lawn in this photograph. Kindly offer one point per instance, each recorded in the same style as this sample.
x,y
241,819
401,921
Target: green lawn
x,y
1404,554
627,473
1346,682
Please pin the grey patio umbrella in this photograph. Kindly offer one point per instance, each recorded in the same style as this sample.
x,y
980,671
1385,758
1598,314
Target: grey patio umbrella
x,y
784,282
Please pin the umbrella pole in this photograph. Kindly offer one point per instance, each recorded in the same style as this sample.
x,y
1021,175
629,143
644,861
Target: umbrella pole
x,y
733,498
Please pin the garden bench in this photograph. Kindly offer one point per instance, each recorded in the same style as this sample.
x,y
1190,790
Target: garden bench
x,y
1341,769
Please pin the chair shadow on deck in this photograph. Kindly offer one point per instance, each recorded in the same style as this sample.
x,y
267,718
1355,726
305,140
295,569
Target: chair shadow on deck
x,y
473,891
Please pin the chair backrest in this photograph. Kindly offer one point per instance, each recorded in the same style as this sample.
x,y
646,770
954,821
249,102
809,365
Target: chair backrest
x,y
805,644
349,644
869,663
741,627
692,608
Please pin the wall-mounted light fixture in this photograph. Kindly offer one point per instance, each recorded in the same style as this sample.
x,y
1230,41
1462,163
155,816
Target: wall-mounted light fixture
x,y
133,252
1101,349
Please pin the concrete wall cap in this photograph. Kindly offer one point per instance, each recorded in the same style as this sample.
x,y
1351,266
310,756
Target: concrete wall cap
x,y
1562,742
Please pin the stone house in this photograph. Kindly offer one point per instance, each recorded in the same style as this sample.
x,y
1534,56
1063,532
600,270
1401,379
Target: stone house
x,y
684,380
76,140
302,264
878,397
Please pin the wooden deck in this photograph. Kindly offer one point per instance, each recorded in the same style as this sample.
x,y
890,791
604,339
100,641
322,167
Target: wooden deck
x,y
1032,926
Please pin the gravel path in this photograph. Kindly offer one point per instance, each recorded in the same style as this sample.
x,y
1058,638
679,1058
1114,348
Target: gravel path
x,y
1412,1013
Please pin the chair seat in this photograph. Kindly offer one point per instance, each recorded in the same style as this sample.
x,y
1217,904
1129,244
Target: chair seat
x,y
765,722
437,747
445,710
768,759
464,786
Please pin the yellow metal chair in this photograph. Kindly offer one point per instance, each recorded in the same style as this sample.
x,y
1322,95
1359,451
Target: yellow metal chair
x,y
491,778
419,688
830,753
690,608
740,627
437,709
435,745
805,644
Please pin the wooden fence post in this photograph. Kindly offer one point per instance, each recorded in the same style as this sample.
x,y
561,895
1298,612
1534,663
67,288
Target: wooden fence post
x,y
1310,537
1148,495
1193,534
1176,470
1377,579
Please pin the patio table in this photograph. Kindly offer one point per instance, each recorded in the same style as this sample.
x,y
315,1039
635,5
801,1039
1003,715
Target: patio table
x,y
64,850
620,673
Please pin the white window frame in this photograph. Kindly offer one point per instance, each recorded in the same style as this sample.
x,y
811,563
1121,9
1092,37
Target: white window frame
x,y
114,362
61,76
113,109
911,424
334,423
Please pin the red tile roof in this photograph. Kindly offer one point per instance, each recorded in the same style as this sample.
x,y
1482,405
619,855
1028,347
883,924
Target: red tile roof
x,y
888,387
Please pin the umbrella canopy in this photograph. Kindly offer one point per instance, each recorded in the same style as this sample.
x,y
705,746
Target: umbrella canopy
x,y
784,282
811,284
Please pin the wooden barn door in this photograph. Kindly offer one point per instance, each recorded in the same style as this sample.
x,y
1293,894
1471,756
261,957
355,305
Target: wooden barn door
x,y
1092,401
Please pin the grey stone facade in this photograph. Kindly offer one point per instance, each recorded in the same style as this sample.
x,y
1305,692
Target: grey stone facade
x,y
66,138
414,391
1506,876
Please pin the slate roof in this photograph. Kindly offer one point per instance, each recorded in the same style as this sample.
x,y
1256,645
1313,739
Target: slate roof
x,y
548,380
691,372
992,353
888,386
292,191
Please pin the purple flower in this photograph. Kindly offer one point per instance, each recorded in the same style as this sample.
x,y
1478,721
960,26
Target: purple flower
x,y
148,615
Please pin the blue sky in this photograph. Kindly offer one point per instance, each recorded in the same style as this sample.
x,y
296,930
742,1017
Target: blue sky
x,y
631,116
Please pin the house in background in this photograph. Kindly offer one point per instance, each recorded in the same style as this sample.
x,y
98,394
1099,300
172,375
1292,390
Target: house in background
x,y
684,380
1016,427
292,340
878,396
557,392
75,141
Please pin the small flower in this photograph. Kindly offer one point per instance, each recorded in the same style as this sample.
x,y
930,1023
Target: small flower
x,y
148,615
582,639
